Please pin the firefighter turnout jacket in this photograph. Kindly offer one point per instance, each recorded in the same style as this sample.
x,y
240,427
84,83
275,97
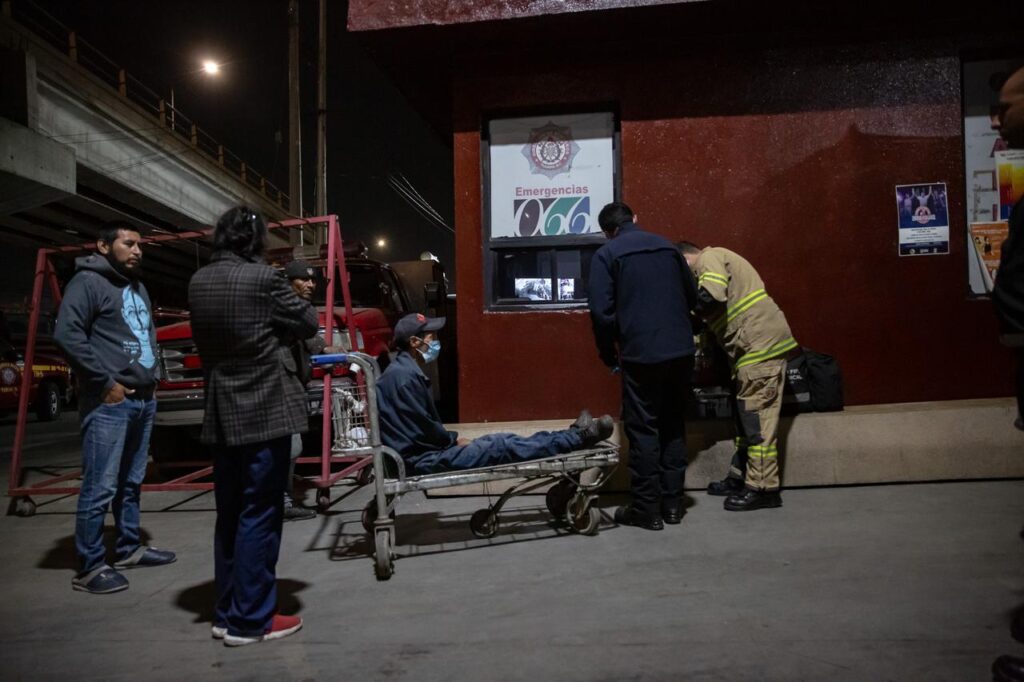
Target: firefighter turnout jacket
x,y
748,324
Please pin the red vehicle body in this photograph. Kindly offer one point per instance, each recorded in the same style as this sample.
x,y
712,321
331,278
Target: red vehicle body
x,y
52,384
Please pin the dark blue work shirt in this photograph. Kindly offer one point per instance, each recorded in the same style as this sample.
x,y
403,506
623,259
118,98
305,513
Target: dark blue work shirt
x,y
409,422
640,294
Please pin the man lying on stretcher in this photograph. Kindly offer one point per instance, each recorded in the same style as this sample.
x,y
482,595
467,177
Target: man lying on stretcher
x,y
410,425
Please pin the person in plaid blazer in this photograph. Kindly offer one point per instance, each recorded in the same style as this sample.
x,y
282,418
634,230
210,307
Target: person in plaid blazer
x,y
245,316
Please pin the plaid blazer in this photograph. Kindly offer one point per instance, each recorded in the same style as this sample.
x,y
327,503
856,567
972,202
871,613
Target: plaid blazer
x,y
244,318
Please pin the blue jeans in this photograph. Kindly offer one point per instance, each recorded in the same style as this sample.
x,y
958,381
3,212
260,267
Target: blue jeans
x,y
498,448
249,484
115,446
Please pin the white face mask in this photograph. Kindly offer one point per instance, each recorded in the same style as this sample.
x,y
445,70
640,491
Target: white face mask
x,y
432,351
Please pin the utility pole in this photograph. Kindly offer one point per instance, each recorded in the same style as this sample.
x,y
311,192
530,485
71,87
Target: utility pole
x,y
294,113
321,118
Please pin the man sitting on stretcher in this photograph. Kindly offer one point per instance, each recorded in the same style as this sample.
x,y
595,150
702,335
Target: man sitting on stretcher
x,y
410,425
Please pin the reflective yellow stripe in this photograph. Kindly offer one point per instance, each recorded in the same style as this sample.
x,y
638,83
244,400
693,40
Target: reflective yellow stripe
x,y
741,442
745,303
763,451
714,277
718,324
768,353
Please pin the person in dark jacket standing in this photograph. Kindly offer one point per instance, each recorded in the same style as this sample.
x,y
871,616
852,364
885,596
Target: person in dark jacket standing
x,y
640,294
1008,297
302,278
245,316
105,329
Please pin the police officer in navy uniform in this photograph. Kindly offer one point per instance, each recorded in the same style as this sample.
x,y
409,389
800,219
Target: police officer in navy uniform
x,y
640,294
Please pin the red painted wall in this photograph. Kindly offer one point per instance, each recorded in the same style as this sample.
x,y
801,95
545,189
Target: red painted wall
x,y
788,156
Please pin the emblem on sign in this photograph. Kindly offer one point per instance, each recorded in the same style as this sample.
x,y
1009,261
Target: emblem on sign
x,y
8,375
550,149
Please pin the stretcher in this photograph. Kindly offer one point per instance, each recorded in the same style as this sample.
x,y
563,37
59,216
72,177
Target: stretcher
x,y
574,479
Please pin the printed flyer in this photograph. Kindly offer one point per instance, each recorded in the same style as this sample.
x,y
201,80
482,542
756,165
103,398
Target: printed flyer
x,y
923,219
988,239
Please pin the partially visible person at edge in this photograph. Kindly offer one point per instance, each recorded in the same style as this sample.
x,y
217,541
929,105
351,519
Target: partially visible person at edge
x,y
105,329
245,317
640,295
301,276
1008,297
754,334
411,426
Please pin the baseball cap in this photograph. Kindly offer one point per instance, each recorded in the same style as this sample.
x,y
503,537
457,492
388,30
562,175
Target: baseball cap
x,y
299,269
415,324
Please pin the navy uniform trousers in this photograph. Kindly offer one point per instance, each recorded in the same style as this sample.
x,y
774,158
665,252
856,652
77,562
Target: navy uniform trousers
x,y
653,403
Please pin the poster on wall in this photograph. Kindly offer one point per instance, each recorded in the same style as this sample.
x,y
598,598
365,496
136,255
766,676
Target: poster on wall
x,y
550,175
987,239
1010,179
982,81
923,219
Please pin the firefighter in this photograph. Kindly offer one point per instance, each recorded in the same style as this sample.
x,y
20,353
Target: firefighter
x,y
754,333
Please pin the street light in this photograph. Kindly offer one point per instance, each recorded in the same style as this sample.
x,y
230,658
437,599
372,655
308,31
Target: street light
x,y
381,243
208,67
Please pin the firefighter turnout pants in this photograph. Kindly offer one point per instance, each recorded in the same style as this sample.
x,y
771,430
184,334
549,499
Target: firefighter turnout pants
x,y
758,402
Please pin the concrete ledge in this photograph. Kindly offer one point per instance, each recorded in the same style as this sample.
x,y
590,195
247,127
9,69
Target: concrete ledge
x,y
936,441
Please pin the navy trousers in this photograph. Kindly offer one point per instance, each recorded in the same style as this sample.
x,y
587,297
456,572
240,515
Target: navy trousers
x,y
498,448
249,484
653,402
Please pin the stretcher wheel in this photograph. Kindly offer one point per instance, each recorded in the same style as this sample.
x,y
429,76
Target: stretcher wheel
x,y
384,565
582,517
21,506
586,524
484,523
323,500
557,498
369,516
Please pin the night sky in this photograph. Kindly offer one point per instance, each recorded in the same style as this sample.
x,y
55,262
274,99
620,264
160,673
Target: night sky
x,y
372,131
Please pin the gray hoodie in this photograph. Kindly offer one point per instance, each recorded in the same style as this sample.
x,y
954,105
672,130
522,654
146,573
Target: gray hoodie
x,y
106,330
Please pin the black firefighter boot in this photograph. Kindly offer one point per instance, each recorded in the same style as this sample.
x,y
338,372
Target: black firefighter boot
x,y
729,485
749,500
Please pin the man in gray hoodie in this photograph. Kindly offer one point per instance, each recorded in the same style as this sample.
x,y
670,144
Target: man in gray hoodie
x,y
105,329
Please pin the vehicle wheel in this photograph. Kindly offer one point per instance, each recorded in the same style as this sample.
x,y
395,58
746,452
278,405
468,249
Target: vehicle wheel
x,y
21,506
323,499
557,498
586,522
484,523
383,565
48,402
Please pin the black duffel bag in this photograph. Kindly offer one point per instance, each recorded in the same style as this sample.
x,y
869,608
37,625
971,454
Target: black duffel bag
x,y
813,383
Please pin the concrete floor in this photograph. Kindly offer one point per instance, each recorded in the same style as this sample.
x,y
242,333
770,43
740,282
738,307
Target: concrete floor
x,y
901,582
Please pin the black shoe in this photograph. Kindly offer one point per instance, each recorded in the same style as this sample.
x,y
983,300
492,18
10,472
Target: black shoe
x,y
629,516
597,430
727,486
672,512
294,512
749,500
1008,669
582,422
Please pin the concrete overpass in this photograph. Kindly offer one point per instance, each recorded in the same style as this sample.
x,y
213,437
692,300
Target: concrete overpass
x,y
83,142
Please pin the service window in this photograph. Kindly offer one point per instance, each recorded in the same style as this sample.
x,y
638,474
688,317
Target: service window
x,y
546,178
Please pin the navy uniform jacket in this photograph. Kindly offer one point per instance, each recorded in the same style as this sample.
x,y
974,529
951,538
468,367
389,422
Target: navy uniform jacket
x,y
640,294
409,422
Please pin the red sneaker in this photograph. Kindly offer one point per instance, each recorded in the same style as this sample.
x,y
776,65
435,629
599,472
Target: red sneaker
x,y
280,626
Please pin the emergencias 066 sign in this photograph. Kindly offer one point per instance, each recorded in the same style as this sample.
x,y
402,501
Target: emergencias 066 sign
x,y
549,175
